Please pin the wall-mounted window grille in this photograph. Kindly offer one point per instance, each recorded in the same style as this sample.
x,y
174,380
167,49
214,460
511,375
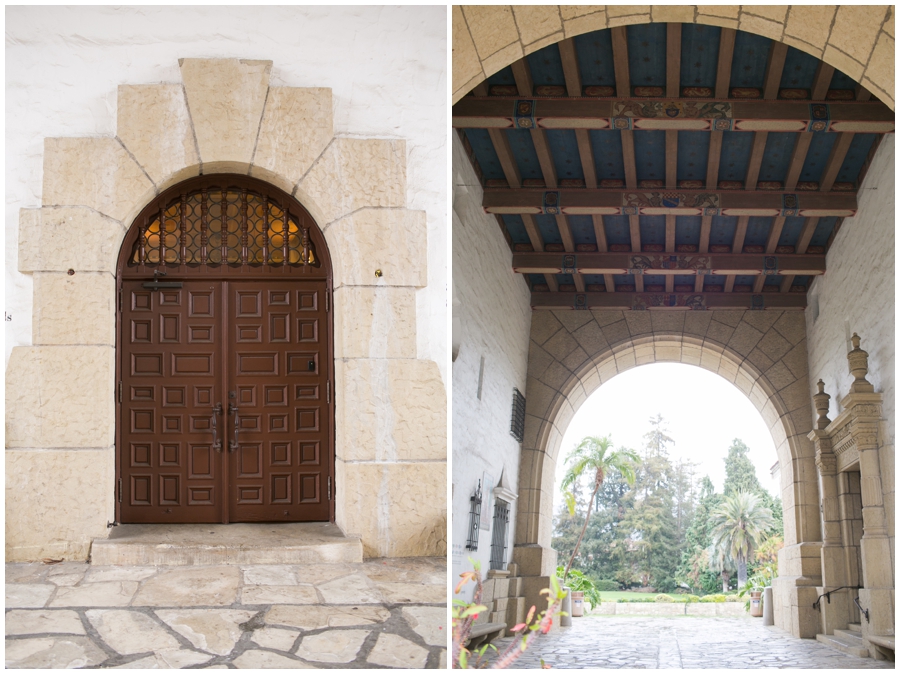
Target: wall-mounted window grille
x,y
498,540
474,518
517,425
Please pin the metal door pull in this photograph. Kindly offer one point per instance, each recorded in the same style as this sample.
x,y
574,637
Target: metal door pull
x,y
217,444
233,409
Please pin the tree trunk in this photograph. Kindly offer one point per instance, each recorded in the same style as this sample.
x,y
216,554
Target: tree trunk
x,y
587,516
724,582
742,571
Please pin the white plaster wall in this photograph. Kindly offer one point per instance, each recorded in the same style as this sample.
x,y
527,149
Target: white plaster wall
x,y
856,294
386,66
492,316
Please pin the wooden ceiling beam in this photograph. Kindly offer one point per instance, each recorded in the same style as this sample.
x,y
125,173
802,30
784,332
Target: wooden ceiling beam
x,y
684,264
537,242
522,75
634,225
552,283
602,246
586,154
834,162
581,201
774,69
601,113
670,233
712,163
806,235
723,69
481,89
628,159
565,233
545,157
821,81
798,158
665,301
774,235
505,155
671,160
620,61
862,94
673,60
705,229
756,157
737,247
569,59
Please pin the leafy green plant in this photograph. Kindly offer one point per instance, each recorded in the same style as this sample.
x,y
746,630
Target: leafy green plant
x,y
755,583
713,599
663,598
578,582
607,585
464,615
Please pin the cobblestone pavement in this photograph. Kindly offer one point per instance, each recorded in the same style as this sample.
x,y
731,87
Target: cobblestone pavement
x,y
681,643
380,613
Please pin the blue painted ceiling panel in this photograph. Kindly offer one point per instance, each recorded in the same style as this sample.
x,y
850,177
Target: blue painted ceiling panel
x,y
582,227
618,229
485,154
564,149
823,231
504,76
790,233
595,58
744,280
684,279
736,148
546,66
650,279
714,280
693,155
565,278
547,226
856,157
594,278
516,228
687,229
536,278
607,148
777,156
653,229
650,154
801,280
799,70
523,153
774,280
647,55
623,280
721,231
758,228
699,55
748,66
817,156
842,81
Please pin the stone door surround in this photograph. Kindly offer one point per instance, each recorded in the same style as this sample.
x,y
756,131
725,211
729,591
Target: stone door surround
x,y
763,353
223,117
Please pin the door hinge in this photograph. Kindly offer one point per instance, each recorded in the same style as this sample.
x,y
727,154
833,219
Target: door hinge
x,y
120,390
120,490
329,488
327,391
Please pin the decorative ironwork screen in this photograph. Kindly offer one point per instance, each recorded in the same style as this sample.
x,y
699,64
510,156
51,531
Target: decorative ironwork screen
x,y
498,539
517,425
226,225
474,517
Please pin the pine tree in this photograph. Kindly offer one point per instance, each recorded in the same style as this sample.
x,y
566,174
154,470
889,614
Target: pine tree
x,y
740,473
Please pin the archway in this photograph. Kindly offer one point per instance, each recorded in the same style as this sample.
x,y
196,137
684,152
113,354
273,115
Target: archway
x,y
572,353
224,358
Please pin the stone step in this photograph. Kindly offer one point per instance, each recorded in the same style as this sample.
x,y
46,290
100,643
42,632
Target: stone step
x,y
840,642
204,544
851,637
855,627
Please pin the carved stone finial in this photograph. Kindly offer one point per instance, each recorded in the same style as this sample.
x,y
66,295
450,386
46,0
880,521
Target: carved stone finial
x,y
859,368
820,400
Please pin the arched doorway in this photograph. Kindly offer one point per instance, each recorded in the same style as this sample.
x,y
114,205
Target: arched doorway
x,y
225,411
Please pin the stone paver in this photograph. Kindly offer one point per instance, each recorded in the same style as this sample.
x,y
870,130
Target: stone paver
x,y
680,643
218,617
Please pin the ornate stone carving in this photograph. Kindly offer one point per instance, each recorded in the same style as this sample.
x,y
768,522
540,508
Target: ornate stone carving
x,y
820,400
859,367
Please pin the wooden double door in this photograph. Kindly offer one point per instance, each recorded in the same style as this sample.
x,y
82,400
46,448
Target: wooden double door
x,y
225,402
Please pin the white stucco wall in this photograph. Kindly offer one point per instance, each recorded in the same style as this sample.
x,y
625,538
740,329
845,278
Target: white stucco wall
x,y
386,66
492,316
856,294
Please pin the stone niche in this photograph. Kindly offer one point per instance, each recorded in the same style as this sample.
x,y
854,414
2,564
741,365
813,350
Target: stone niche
x,y
223,117
856,547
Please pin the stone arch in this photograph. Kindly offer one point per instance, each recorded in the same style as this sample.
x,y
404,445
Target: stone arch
x,y
858,40
354,188
763,353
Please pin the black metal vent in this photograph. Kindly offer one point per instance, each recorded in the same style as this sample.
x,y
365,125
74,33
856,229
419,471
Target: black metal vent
x,y
498,541
517,425
474,518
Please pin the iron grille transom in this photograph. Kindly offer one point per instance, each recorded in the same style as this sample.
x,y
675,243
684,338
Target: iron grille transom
x,y
474,518
517,425
498,538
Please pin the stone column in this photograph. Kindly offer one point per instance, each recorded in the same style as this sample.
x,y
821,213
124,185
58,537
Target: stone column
x,y
851,533
877,574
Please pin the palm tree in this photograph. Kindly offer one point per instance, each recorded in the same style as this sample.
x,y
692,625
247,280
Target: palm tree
x,y
594,454
738,526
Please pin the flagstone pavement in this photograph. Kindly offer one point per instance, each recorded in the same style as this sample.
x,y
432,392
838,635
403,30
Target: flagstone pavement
x,y
683,642
380,613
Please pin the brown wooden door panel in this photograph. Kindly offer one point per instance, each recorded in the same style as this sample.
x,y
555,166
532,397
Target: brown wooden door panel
x,y
259,349
168,467
279,371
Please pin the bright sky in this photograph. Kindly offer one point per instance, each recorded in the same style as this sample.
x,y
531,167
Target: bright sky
x,y
702,411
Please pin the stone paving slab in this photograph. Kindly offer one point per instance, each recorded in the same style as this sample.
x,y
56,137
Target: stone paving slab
x,y
378,613
683,642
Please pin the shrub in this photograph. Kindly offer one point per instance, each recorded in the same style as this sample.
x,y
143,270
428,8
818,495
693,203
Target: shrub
x,y
666,585
692,599
713,599
732,598
607,585
663,598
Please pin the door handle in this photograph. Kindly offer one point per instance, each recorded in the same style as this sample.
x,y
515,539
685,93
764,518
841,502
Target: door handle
x,y
217,443
233,444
